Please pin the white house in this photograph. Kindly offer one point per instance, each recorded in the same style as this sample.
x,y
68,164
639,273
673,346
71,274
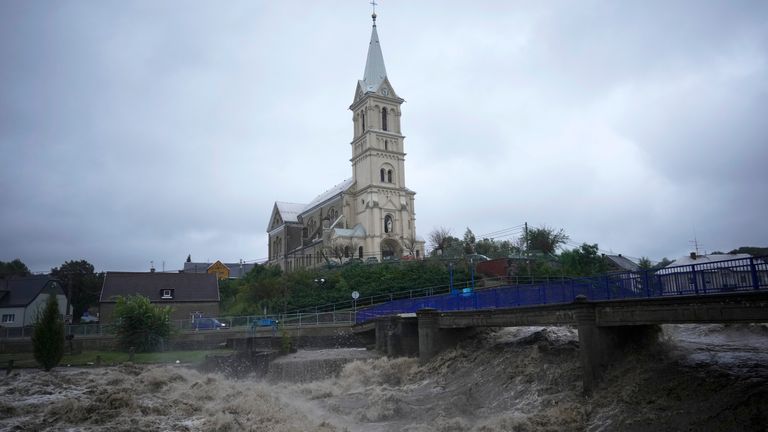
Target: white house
x,y
718,272
22,298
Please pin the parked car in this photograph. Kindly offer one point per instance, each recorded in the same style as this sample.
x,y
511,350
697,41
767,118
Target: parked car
x,y
371,260
87,318
476,258
207,324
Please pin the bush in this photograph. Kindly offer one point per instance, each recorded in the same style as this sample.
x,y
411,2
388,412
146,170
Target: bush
x,y
140,324
48,335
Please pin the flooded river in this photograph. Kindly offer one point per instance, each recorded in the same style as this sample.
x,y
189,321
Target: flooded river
x,y
516,379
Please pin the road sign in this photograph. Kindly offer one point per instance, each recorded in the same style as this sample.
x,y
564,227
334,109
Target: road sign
x,y
355,295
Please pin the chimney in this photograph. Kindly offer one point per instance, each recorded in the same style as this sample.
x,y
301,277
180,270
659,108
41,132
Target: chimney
x,y
693,255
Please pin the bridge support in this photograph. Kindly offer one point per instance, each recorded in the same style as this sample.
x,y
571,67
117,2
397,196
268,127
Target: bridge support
x,y
600,346
432,338
397,336
429,334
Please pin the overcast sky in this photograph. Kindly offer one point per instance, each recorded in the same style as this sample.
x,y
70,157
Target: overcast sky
x,y
138,131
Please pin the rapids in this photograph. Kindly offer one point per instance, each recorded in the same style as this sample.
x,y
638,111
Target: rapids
x,y
699,378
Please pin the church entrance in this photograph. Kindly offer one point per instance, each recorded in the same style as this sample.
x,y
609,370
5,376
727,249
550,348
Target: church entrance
x,y
390,249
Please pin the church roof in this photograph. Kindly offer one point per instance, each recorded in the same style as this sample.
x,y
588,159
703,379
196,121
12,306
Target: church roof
x,y
375,72
290,211
330,193
357,231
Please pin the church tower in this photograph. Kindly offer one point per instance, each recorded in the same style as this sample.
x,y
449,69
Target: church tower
x,y
383,205
369,216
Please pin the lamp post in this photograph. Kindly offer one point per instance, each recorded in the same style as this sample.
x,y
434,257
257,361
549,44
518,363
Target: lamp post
x,y
355,295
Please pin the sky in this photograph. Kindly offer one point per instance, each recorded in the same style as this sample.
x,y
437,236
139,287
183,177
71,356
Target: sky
x,y
144,131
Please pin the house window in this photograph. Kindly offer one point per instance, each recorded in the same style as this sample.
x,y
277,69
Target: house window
x,y
167,294
360,252
384,119
346,251
9,318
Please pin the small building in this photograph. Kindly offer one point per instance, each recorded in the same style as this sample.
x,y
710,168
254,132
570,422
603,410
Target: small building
x,y
22,298
220,269
698,273
619,263
188,294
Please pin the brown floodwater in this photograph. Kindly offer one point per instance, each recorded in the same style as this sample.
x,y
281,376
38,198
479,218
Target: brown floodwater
x,y
697,378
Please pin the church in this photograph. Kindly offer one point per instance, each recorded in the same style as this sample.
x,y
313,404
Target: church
x,y
369,216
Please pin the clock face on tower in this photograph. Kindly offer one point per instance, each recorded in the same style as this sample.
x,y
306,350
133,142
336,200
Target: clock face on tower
x,y
384,91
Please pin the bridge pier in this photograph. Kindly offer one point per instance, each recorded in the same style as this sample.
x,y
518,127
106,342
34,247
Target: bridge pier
x,y
432,338
397,336
600,346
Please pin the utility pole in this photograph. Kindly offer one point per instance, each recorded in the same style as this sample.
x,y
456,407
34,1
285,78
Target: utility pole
x,y
527,258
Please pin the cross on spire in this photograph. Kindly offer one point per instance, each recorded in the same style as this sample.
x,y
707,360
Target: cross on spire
x,y
373,15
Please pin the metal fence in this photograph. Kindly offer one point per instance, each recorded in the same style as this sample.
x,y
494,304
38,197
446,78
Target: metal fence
x,y
239,323
698,279
746,274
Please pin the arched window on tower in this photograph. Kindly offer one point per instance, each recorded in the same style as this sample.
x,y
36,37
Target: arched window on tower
x,y
389,176
346,251
382,175
386,145
384,119
360,252
362,121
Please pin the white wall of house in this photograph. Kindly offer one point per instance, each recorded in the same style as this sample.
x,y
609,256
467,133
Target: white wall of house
x,y
27,316
12,317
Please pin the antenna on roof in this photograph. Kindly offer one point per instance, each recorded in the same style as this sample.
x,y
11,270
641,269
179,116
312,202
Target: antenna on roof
x,y
695,243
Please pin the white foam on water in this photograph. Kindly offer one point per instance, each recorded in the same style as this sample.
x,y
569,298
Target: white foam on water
x,y
516,379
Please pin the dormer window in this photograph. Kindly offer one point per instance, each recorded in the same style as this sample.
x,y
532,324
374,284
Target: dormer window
x,y
167,294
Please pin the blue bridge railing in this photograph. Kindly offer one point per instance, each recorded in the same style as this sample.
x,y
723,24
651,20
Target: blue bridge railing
x,y
746,274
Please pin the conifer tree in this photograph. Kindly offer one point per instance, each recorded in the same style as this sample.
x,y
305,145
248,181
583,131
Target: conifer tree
x,y
48,335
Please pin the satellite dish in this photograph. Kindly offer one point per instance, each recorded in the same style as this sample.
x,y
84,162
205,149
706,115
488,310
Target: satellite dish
x,y
355,295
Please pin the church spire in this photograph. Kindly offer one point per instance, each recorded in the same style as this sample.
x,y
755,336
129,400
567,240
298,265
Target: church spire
x,y
375,72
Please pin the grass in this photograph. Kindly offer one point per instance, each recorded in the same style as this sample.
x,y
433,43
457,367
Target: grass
x,y
88,358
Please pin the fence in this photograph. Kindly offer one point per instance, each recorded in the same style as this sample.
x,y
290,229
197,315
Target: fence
x,y
240,323
697,279
746,274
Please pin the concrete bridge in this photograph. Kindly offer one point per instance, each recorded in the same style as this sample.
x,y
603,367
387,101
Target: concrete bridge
x,y
605,327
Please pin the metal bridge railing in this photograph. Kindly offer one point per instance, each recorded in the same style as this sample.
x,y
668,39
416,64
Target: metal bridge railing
x,y
746,274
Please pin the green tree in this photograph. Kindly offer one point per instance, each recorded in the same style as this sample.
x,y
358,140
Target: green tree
x,y
48,335
140,324
13,268
545,239
469,242
82,284
663,263
583,261
645,263
752,250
